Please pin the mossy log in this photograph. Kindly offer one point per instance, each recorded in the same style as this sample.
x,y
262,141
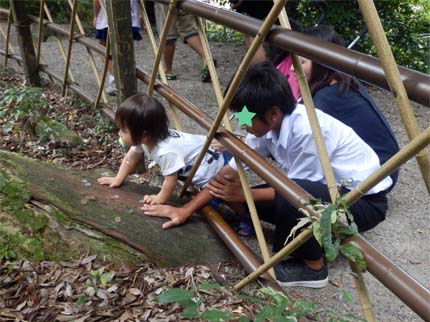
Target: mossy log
x,y
116,212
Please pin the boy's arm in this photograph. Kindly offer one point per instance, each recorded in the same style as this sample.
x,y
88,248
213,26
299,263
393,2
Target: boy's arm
x,y
166,191
96,10
128,164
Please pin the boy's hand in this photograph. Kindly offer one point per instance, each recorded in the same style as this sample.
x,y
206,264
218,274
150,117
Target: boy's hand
x,y
154,199
177,216
226,187
112,182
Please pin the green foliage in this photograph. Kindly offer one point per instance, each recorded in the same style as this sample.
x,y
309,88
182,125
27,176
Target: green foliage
x,y
15,193
406,24
334,224
48,129
190,301
215,32
22,107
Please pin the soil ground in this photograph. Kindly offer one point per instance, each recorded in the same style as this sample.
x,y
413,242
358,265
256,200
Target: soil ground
x,y
404,235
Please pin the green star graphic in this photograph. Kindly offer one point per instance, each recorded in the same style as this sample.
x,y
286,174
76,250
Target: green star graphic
x,y
244,117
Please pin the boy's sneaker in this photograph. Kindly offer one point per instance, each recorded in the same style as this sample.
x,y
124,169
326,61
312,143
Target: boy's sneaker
x,y
294,272
205,76
110,87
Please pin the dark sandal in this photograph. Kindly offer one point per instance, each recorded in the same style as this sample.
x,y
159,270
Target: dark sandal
x,y
245,229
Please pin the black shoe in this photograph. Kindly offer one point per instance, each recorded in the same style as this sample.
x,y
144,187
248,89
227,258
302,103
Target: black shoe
x,y
296,273
205,76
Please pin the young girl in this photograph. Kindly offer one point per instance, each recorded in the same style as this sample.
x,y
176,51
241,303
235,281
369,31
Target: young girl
x,y
143,125
346,99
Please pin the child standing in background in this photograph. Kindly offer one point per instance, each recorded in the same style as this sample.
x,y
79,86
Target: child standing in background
x,y
143,125
101,24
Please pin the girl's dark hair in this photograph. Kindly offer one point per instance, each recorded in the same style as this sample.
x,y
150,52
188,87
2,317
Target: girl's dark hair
x,y
143,115
276,54
262,88
322,76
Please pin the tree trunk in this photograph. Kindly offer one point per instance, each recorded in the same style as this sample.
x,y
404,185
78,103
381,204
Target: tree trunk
x,y
116,213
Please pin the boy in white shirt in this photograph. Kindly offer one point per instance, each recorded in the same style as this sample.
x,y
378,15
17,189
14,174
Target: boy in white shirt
x,y
143,125
101,24
280,129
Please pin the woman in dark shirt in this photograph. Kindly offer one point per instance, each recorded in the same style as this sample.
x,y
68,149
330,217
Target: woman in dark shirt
x,y
346,99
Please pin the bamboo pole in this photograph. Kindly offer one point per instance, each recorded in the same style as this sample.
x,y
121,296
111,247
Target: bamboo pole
x,y
243,179
161,45
392,73
90,54
325,162
40,31
100,91
267,24
161,71
9,24
69,50
48,15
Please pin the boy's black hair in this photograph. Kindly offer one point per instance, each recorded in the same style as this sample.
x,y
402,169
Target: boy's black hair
x,y
262,88
322,76
143,115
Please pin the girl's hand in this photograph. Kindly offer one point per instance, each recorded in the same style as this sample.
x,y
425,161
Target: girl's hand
x,y
177,216
112,182
153,199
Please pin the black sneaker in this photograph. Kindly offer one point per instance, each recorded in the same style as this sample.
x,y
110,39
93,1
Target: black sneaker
x,y
205,76
296,273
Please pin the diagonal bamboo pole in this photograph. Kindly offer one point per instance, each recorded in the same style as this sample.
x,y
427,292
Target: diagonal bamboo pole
x,y
243,179
267,24
161,71
325,162
406,153
69,50
157,60
90,54
48,15
162,44
392,73
40,30
100,91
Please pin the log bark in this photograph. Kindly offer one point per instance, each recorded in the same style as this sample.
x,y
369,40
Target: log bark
x,y
116,213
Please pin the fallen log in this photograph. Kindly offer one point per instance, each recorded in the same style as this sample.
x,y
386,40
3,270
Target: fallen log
x,y
116,213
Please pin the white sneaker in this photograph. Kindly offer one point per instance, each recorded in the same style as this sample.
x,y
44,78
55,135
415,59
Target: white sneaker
x,y
110,87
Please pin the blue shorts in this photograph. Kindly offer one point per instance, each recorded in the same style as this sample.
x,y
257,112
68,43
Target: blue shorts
x,y
102,34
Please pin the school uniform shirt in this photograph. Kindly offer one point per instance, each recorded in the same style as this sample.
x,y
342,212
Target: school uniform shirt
x,y
135,17
178,153
295,150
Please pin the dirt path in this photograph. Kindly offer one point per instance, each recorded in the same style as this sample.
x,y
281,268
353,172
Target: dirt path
x,y
404,236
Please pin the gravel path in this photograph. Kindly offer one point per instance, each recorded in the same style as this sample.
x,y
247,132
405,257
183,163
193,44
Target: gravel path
x,y
403,237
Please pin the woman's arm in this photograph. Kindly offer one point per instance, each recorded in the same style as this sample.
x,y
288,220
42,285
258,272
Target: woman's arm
x,y
96,10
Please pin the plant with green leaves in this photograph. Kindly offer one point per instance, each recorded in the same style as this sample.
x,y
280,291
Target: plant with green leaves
x,y
22,107
191,300
332,224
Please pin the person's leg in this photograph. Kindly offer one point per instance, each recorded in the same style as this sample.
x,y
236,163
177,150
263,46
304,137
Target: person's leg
x,y
196,45
168,54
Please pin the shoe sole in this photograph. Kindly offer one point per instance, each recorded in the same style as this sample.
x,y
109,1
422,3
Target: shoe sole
x,y
309,284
